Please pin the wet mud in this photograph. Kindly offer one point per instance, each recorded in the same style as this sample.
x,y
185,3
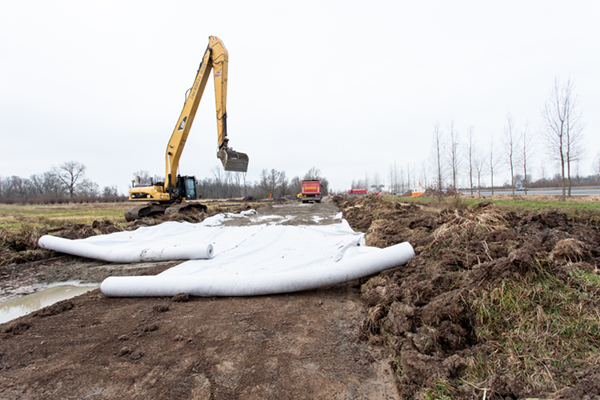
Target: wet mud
x,y
424,311
296,346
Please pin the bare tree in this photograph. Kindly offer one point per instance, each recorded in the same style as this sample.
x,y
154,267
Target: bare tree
x,y
313,173
244,182
510,149
394,178
296,185
493,162
403,184
219,180
562,129
470,156
596,167
283,183
479,164
70,174
376,182
423,179
47,185
453,153
526,155
273,180
87,188
110,191
543,173
16,187
436,156
142,177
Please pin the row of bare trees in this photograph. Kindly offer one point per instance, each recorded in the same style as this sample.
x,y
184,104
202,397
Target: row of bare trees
x,y
67,182
560,140
223,184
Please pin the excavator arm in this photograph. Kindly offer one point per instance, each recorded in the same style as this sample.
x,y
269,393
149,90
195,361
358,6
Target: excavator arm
x,y
216,58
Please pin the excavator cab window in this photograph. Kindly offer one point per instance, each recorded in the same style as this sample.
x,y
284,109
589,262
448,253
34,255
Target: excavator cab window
x,y
190,188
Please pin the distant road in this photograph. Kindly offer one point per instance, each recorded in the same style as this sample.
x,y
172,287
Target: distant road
x,y
585,191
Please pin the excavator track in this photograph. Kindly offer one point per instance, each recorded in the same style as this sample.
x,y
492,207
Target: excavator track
x,y
151,209
185,207
145,210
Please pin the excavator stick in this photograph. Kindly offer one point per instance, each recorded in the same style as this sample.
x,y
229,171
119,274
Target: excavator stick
x,y
233,160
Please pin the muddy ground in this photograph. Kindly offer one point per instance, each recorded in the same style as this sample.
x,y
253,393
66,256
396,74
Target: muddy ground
x,y
395,335
295,346
19,277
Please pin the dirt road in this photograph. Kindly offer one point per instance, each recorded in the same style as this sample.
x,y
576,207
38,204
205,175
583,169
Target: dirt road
x,y
295,346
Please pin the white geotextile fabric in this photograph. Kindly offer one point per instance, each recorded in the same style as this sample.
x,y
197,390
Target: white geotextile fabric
x,y
127,248
266,258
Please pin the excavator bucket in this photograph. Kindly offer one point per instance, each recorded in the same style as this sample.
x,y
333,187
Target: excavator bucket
x,y
233,160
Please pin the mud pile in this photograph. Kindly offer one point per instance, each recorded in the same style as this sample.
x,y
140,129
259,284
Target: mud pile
x,y
21,246
427,312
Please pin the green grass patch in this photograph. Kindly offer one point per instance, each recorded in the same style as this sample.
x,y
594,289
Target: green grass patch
x,y
440,389
540,326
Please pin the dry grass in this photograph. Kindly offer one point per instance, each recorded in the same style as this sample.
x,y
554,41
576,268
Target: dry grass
x,y
538,327
488,218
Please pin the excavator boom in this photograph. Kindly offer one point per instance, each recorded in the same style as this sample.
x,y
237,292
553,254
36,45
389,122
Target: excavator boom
x,y
216,58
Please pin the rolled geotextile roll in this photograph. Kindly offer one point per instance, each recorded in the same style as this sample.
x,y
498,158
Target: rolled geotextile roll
x,y
210,283
126,254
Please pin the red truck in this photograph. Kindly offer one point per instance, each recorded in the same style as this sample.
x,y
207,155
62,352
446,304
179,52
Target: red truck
x,y
311,191
357,192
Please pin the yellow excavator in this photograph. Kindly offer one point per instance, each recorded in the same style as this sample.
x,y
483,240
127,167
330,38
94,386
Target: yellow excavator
x,y
170,196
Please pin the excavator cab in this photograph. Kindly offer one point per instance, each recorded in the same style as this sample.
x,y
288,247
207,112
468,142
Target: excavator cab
x,y
188,187
233,160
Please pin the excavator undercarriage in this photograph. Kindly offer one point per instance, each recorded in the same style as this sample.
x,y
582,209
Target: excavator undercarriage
x,y
157,208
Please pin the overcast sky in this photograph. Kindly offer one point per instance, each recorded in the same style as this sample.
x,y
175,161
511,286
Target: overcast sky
x,y
348,87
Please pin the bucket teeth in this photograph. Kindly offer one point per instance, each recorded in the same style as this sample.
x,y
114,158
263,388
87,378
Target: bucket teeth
x,y
233,160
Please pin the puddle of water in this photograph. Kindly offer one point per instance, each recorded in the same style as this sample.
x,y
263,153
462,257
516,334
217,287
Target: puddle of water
x,y
27,304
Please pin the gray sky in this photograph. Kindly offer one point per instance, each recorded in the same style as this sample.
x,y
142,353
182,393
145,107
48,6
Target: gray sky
x,y
346,86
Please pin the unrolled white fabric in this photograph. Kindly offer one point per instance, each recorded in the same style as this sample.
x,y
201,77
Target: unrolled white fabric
x,y
263,257
210,283
128,251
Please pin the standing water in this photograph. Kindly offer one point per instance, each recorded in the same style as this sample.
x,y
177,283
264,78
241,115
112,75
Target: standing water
x,y
27,304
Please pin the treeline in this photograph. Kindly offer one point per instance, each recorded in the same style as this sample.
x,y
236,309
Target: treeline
x,y
224,184
272,183
66,183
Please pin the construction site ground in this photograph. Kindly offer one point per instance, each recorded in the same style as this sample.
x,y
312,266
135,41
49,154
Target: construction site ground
x,y
416,331
291,346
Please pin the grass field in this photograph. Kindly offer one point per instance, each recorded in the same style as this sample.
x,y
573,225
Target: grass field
x,y
15,216
580,208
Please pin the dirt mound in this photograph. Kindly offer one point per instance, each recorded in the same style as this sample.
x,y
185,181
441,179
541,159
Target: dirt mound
x,y
431,312
438,194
